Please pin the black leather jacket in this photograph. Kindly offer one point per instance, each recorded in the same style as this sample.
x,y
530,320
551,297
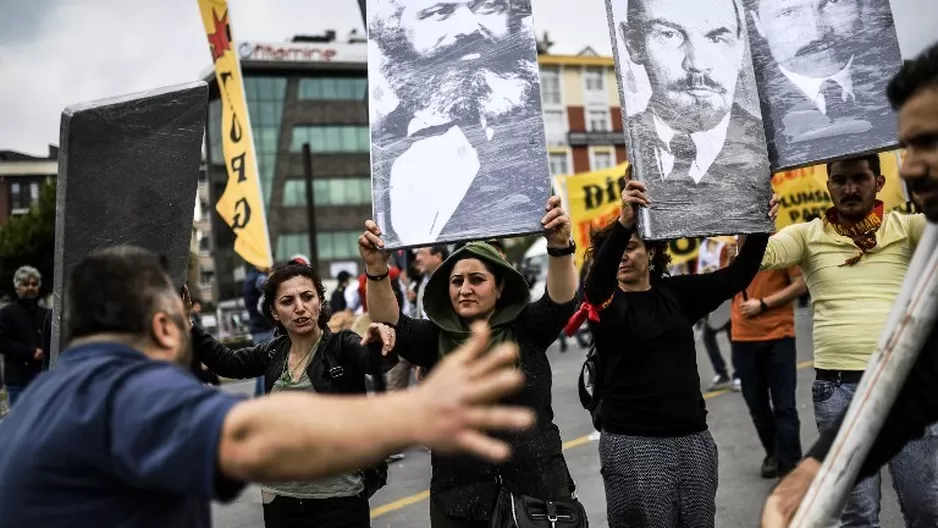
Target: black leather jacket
x,y
338,366
24,327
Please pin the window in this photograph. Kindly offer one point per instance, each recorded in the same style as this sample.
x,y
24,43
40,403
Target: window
x,y
550,86
23,195
555,127
204,245
328,191
291,244
602,160
205,209
558,164
598,121
340,245
331,88
331,138
206,278
595,80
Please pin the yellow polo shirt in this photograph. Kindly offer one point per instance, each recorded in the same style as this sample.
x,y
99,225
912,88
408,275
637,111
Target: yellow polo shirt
x,y
851,303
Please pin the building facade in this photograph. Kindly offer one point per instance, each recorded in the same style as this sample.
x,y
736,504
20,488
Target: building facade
x,y
309,90
582,116
21,178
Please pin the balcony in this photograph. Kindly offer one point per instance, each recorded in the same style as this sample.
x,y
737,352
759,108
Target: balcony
x,y
588,139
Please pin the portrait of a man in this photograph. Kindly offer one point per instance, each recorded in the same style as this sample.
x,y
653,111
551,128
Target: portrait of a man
x,y
693,124
458,146
822,67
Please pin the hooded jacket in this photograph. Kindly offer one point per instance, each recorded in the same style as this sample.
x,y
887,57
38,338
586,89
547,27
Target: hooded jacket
x,y
465,487
439,308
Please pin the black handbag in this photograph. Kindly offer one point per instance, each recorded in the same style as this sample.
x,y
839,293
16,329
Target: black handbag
x,y
514,510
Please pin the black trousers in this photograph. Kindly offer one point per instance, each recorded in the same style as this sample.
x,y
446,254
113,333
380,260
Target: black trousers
x,y
337,512
768,372
439,519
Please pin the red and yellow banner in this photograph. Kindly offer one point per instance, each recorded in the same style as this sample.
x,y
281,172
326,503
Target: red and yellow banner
x,y
592,200
242,203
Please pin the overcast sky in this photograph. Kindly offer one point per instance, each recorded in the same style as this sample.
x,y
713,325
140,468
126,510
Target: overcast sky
x,y
57,52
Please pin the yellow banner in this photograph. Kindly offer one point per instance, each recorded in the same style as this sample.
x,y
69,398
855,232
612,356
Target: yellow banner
x,y
592,200
803,196
242,203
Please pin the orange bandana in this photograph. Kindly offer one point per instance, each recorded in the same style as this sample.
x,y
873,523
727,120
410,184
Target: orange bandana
x,y
863,233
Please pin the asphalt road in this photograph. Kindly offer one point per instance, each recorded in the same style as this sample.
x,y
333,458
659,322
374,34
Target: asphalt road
x,y
741,492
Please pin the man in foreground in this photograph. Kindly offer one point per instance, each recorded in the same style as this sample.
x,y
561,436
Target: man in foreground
x,y
119,434
914,94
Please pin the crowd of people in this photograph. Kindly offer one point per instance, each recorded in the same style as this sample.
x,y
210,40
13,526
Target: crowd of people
x,y
118,435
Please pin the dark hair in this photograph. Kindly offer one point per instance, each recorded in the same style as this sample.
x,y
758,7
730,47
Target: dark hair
x,y
660,259
116,290
284,273
915,75
442,251
871,159
343,276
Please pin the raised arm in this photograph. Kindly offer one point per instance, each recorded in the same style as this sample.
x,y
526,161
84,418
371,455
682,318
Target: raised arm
x,y
561,270
701,294
601,279
242,363
382,303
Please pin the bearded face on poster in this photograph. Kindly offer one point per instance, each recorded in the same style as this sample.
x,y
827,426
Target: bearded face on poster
x,y
458,111
454,60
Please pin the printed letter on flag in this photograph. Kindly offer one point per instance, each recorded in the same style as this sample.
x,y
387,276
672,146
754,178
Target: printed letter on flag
x,y
242,203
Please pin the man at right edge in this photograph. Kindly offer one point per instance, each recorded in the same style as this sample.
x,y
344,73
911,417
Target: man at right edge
x,y
910,428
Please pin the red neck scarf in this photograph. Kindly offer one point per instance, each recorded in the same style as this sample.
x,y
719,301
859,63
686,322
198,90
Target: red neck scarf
x,y
863,233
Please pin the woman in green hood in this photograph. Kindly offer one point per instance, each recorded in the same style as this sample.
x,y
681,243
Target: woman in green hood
x,y
477,283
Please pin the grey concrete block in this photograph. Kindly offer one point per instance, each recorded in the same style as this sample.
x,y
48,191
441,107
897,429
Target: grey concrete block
x,y
128,173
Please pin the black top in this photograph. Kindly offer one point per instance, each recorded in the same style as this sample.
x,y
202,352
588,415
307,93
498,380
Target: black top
x,y
24,327
465,487
339,364
915,408
646,340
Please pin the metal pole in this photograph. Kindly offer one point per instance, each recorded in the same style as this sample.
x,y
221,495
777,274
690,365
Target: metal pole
x,y
907,328
310,207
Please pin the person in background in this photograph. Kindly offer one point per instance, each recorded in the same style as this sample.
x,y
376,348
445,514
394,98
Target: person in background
x,y
261,329
133,440
25,333
337,299
196,312
709,260
765,358
909,430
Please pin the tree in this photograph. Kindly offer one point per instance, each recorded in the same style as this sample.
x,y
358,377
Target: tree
x,y
29,239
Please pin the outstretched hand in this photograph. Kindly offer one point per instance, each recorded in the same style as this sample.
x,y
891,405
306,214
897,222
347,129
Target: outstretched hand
x,y
456,402
383,333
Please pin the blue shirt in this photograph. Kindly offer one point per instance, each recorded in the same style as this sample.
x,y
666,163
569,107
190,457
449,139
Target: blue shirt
x,y
111,438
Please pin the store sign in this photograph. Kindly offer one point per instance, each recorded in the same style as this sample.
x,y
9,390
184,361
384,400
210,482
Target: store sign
x,y
302,52
577,139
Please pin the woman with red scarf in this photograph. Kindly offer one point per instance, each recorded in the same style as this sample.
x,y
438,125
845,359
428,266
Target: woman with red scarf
x,y
659,461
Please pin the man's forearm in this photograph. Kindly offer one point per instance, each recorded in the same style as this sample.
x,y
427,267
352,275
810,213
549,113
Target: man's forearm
x,y
561,279
787,294
382,304
303,436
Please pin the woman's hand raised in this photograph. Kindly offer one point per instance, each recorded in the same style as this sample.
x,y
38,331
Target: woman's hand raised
x,y
371,249
633,197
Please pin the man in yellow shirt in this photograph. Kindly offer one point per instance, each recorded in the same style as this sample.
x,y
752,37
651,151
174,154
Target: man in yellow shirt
x,y
854,260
